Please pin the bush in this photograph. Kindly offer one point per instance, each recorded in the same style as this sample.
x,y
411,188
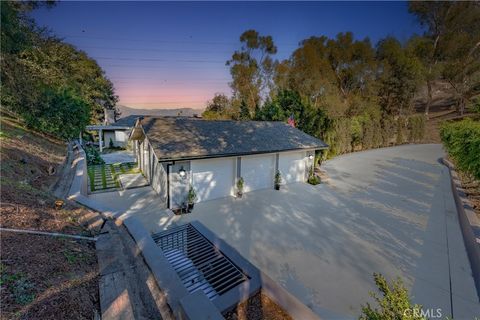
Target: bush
x,y
312,178
93,156
394,303
60,112
416,128
462,141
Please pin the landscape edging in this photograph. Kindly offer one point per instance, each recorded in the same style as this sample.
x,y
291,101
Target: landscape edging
x,y
469,222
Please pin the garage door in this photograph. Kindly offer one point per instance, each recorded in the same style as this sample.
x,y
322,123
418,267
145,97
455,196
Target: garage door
x,y
213,178
257,172
292,166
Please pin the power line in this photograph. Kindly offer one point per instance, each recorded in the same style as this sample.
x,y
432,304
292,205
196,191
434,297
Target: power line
x,y
169,67
170,41
152,50
164,102
161,60
151,41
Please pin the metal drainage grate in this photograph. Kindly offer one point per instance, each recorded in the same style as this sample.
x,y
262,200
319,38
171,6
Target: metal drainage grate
x,y
197,262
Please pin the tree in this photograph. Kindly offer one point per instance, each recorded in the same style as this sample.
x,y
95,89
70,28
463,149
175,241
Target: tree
x,y
252,68
245,113
334,74
220,104
452,39
39,70
352,62
400,73
60,112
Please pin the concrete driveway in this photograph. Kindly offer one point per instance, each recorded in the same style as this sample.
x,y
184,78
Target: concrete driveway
x,y
387,210
118,157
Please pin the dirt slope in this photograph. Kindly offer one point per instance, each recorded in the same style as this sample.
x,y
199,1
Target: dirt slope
x,y
41,277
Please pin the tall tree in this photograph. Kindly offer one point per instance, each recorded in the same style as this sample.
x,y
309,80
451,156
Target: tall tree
x,y
252,68
400,73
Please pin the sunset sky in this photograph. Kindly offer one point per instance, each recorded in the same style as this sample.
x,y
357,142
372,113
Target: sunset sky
x,y
169,55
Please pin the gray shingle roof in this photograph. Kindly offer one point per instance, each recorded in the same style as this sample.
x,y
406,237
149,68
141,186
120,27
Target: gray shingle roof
x,y
175,138
128,121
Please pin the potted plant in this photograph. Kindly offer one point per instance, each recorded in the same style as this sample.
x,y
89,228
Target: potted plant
x,y
191,197
240,187
312,178
278,180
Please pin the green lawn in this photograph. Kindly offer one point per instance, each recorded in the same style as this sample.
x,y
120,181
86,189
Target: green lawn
x,y
105,176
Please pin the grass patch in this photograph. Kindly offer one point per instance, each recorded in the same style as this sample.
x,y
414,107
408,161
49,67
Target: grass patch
x,y
109,172
73,257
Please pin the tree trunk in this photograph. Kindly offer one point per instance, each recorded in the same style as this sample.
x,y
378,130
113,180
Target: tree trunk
x,y
462,106
429,98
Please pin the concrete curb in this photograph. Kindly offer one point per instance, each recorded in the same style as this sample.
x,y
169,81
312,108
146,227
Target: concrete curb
x,y
294,307
166,277
469,223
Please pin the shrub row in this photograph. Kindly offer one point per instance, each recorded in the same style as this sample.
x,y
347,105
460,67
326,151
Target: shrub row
x,y
462,141
371,131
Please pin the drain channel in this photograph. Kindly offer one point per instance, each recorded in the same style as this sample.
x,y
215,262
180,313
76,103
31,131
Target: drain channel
x,y
197,262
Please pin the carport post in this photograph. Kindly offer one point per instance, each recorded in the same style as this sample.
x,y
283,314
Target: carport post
x,y
100,133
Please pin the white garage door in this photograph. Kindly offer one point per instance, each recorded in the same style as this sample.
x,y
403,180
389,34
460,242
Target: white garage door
x,y
257,172
292,166
213,178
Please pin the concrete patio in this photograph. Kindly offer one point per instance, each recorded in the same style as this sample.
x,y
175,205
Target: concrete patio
x,y
118,157
387,210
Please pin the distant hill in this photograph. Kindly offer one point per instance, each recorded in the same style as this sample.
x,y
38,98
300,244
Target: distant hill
x,y
127,111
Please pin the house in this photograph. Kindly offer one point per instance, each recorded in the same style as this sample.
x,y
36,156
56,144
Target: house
x,y
175,153
115,131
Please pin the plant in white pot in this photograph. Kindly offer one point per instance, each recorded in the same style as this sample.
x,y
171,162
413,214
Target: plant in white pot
x,y
240,187
278,180
191,197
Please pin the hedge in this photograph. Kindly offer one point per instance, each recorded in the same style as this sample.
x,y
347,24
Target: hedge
x,y
462,141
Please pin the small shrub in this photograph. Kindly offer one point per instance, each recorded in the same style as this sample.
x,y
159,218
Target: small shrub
x,y
240,183
93,156
278,178
393,304
110,144
192,195
21,288
313,179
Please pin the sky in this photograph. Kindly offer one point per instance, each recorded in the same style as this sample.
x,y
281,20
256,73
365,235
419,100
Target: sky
x,y
173,54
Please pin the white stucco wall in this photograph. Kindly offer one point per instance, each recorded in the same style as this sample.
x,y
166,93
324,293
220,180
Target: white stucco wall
x,y
119,138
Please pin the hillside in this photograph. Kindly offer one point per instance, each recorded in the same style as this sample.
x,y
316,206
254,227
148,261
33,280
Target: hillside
x,y
189,112
442,108
42,277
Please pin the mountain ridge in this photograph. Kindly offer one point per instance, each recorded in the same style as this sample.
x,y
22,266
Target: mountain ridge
x,y
127,111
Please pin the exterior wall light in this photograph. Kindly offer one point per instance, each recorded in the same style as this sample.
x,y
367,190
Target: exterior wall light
x,y
182,173
310,157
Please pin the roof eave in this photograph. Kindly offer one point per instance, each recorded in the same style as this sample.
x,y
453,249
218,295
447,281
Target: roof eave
x,y
228,155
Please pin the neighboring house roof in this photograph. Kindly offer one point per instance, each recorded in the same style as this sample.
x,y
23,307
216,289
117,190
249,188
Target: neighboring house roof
x,y
121,124
128,121
176,138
